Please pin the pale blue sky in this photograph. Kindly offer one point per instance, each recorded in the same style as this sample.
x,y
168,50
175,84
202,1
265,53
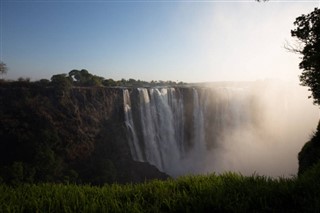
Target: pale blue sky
x,y
191,41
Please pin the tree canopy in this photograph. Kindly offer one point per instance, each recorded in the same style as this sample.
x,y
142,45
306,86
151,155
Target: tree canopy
x,y
307,32
83,78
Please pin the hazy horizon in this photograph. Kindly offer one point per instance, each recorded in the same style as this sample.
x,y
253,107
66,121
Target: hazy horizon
x,y
189,41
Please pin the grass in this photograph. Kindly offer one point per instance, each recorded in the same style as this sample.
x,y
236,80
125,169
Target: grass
x,y
229,192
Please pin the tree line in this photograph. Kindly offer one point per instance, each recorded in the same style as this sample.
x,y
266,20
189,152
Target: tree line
x,y
82,78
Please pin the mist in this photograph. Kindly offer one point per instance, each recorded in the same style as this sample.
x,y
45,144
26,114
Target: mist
x,y
283,121
247,127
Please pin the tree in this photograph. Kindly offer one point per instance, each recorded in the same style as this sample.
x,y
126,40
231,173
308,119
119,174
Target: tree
x,y
62,83
109,82
84,78
80,76
3,68
307,32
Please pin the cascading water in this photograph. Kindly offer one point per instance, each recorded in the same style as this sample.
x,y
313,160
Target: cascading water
x,y
132,137
198,125
158,128
199,130
163,141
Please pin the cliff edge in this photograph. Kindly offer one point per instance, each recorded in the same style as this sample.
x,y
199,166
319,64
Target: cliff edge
x,y
75,134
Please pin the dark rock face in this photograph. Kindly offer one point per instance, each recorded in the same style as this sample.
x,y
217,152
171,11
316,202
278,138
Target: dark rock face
x,y
310,153
73,135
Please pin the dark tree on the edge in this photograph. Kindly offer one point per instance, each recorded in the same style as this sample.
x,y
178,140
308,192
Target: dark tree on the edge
x,y
307,32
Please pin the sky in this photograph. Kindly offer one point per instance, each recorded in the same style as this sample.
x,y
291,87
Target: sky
x,y
189,41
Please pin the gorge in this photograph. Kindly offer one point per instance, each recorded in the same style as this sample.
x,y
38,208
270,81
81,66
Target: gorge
x,y
246,127
131,134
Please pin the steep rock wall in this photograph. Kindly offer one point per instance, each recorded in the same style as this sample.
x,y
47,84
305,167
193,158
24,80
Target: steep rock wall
x,y
73,135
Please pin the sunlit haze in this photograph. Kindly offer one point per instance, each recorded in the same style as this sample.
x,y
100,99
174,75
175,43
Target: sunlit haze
x,y
245,127
190,41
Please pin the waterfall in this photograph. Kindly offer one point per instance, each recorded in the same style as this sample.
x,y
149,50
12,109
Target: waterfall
x,y
199,130
198,126
159,131
163,139
162,133
131,132
149,129
176,104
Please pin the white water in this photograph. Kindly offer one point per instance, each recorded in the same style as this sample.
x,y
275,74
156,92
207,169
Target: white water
x,y
159,130
131,133
246,129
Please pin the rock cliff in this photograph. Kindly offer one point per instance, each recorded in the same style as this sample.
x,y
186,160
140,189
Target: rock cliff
x,y
75,134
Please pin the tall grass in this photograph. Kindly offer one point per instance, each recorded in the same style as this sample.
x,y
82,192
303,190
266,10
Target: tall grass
x,y
229,192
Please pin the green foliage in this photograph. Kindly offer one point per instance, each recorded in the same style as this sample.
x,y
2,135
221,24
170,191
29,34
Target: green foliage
x,y
109,82
84,78
61,81
307,32
229,192
80,76
62,84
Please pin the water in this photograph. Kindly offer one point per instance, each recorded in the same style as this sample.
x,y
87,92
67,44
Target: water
x,y
135,148
200,130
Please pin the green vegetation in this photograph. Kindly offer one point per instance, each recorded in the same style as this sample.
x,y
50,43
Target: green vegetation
x,y
211,193
81,78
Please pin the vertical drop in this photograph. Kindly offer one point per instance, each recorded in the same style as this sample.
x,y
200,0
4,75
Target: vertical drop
x,y
131,132
199,145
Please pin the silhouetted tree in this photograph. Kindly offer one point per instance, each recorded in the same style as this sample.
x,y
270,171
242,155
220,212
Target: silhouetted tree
x,y
307,32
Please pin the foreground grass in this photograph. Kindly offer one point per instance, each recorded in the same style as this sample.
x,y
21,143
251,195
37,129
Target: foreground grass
x,y
219,193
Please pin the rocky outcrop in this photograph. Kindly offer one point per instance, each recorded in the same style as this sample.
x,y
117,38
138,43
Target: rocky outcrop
x,y
309,155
